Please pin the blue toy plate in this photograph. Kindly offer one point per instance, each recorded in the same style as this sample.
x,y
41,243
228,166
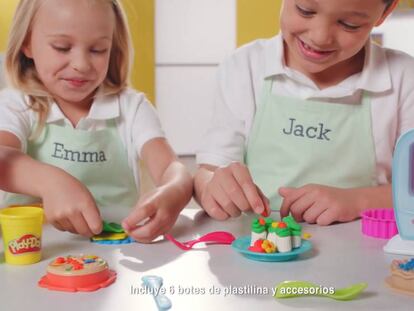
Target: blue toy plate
x,y
243,243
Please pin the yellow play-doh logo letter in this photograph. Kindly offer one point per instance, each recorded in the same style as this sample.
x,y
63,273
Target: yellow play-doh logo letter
x,y
25,244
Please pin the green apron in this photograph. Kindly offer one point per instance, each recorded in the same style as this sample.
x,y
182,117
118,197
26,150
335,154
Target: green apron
x,y
295,142
96,158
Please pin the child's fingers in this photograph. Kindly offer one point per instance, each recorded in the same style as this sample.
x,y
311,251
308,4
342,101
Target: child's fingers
x,y
81,226
64,225
312,213
327,217
301,205
57,225
139,214
213,209
158,225
232,189
265,200
285,207
290,195
61,225
225,202
93,219
147,232
244,179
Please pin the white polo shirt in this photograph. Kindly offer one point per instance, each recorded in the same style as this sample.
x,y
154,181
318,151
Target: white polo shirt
x,y
136,119
387,77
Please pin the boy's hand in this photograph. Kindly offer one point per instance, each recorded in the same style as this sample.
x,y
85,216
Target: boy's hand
x,y
231,191
69,206
152,216
320,204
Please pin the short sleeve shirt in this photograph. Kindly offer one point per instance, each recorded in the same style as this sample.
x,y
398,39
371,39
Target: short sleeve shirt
x,y
387,77
136,119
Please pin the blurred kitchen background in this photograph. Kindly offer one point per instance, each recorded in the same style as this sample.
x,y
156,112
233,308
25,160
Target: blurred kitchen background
x,y
179,43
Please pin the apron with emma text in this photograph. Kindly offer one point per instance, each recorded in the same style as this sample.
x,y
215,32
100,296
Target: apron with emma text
x,y
96,158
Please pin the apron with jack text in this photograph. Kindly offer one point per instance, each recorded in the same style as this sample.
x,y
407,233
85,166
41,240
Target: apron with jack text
x,y
295,142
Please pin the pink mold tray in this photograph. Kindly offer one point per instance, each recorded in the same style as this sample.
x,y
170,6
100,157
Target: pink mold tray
x,y
379,223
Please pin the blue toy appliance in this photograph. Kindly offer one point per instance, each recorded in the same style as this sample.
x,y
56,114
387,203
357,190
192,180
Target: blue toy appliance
x,y
403,196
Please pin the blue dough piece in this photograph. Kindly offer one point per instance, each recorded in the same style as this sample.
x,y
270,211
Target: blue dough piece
x,y
127,240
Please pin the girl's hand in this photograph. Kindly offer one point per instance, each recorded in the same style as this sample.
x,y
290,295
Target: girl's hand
x,y
321,204
69,205
154,214
156,211
230,191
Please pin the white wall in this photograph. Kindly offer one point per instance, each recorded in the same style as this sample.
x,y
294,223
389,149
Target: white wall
x,y
397,32
191,39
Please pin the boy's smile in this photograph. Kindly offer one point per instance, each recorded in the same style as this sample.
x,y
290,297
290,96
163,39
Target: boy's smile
x,y
326,38
313,53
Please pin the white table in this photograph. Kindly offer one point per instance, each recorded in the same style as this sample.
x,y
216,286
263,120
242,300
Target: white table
x,y
341,256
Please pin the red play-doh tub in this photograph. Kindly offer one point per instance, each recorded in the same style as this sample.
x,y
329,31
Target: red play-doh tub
x,y
77,273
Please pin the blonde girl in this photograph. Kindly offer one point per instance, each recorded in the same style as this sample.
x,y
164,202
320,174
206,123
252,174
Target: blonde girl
x,y
72,132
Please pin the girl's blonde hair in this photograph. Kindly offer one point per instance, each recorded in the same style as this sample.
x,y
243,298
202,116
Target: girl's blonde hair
x,y
21,72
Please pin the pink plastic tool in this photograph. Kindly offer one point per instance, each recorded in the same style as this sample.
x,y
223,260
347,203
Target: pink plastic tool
x,y
379,223
216,237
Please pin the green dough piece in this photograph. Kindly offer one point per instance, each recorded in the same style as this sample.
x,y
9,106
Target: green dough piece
x,y
112,227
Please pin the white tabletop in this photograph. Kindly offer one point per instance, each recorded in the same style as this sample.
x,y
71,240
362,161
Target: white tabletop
x,y
341,256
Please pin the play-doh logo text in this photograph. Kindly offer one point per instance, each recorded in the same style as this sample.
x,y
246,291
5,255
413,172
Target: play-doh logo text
x,y
26,244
